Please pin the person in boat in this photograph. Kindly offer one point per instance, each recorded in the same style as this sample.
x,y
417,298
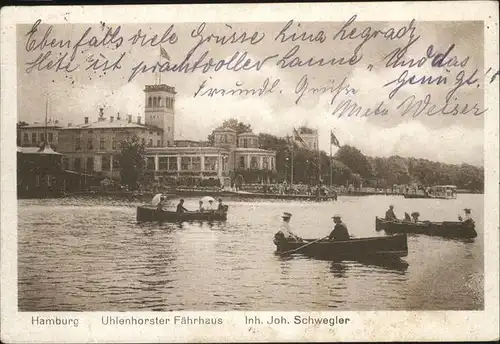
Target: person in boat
x,y
201,207
210,205
340,231
407,217
415,216
221,206
285,228
389,214
180,207
468,216
160,204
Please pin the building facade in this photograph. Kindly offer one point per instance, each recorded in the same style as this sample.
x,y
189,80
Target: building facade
x,y
93,147
230,154
33,135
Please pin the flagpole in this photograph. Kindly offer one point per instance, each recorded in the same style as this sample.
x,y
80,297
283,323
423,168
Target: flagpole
x,y
331,164
291,172
46,114
319,163
159,72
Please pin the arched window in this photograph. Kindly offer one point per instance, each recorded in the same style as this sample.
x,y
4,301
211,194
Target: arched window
x,y
154,101
158,102
150,102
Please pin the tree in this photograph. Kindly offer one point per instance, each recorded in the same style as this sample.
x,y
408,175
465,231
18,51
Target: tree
x,y
355,160
394,170
21,124
133,161
305,130
211,139
236,125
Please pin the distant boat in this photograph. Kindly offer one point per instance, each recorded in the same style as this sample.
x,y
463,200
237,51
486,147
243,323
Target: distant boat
x,y
450,229
150,213
436,192
395,246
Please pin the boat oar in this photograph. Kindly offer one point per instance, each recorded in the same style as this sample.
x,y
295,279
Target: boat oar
x,y
301,247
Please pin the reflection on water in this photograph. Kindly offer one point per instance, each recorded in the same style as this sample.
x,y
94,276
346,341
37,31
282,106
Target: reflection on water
x,y
89,254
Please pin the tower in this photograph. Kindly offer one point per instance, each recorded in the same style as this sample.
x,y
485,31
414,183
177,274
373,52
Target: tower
x,y
159,110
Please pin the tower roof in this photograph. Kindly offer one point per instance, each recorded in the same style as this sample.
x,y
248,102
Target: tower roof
x,y
162,87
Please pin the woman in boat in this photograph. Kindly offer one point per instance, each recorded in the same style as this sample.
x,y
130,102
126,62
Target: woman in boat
x,y
340,231
415,216
210,205
468,216
285,228
407,217
160,205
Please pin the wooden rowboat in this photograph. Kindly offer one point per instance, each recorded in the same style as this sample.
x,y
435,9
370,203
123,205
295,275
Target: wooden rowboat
x,y
354,249
150,213
449,229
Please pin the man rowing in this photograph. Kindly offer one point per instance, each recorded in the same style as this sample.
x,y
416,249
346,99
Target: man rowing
x,y
180,207
340,231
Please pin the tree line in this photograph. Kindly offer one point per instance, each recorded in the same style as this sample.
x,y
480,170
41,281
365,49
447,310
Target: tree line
x,y
350,166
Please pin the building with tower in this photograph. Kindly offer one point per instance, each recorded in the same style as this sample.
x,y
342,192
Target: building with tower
x,y
93,146
159,110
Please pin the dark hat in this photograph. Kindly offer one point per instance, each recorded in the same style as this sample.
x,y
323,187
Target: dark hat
x,y
220,199
391,206
467,210
286,215
336,216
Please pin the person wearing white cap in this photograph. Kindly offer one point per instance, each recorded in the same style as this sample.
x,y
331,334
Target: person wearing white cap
x,y
467,215
285,227
340,231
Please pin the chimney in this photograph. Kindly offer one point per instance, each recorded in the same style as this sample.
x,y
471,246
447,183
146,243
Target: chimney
x,y
138,119
130,118
111,118
86,120
118,116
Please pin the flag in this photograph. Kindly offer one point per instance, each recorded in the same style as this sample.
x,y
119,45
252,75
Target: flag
x,y
164,54
297,137
333,139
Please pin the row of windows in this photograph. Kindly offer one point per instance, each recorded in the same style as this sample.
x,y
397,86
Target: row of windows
x,y
102,145
34,139
161,102
186,163
242,142
87,164
254,163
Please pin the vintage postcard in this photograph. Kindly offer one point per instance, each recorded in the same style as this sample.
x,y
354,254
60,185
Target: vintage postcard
x,y
250,173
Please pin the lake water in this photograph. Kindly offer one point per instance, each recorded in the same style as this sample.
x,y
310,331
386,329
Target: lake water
x,y
89,254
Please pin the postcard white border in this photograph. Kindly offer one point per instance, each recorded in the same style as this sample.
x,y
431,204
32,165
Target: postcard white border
x,y
365,326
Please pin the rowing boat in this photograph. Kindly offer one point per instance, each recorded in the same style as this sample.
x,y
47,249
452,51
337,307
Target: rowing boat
x,y
354,249
149,213
449,229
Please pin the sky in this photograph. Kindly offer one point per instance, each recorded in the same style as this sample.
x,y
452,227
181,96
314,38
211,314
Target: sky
x,y
446,138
